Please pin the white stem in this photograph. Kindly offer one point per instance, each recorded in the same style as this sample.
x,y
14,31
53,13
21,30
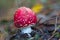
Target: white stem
x,y
26,30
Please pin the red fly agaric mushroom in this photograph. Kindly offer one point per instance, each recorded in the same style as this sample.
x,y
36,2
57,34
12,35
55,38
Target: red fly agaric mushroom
x,y
23,17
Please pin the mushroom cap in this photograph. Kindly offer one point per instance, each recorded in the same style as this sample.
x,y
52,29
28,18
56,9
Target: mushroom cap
x,y
23,17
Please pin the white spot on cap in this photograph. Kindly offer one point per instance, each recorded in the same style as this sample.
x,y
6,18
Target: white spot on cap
x,y
23,20
25,25
20,24
30,16
29,22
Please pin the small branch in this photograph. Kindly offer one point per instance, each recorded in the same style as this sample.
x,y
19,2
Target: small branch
x,y
55,28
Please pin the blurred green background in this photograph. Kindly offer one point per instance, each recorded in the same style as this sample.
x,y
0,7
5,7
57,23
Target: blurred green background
x,y
7,7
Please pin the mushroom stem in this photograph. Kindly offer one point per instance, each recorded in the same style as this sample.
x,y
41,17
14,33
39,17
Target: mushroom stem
x,y
26,30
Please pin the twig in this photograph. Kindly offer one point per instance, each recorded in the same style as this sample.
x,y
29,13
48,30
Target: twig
x,y
55,29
